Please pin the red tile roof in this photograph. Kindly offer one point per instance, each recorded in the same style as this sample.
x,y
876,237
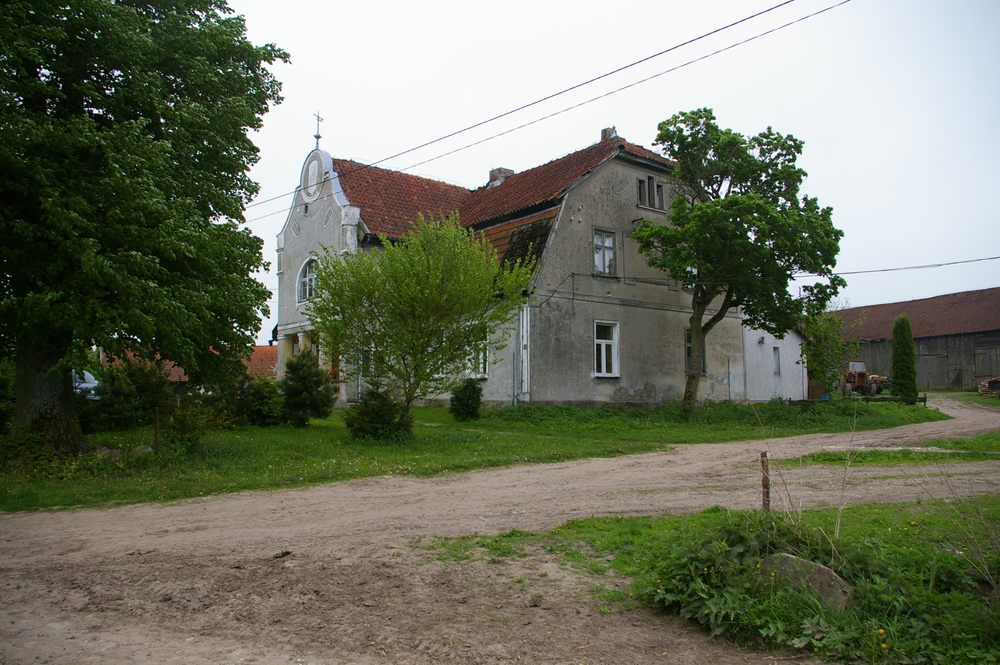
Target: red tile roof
x,y
390,199
547,182
263,361
952,314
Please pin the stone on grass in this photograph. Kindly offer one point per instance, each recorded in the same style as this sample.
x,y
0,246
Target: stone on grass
x,y
808,575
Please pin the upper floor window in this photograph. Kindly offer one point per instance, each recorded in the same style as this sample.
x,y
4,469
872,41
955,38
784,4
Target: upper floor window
x,y
604,252
649,193
687,353
606,349
307,280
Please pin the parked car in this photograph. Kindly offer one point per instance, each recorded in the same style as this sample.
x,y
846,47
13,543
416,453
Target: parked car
x,y
84,383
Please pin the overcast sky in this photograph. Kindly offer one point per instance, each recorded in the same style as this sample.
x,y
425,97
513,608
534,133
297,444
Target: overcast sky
x,y
897,102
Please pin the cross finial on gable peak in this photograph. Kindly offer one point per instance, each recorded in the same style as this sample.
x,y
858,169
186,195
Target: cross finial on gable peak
x,y
317,135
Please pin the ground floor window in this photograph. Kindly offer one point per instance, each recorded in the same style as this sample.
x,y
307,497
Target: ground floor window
x,y
606,348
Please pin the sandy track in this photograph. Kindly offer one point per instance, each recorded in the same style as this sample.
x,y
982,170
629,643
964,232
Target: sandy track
x,y
198,581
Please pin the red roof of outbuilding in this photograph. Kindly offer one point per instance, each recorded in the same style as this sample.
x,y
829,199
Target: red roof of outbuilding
x,y
263,361
389,200
952,314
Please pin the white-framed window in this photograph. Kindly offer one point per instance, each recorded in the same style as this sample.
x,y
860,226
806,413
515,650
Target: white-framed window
x,y
604,252
649,193
777,360
307,280
606,349
687,353
479,363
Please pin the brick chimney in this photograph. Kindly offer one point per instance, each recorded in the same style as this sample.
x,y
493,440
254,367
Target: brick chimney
x,y
498,175
608,133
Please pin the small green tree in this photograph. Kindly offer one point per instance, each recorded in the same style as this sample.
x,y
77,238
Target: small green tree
x,y
466,400
824,349
409,319
309,391
739,232
261,402
904,359
377,417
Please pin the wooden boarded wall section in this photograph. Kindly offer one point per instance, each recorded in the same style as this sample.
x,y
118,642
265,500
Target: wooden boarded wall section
x,y
946,362
987,356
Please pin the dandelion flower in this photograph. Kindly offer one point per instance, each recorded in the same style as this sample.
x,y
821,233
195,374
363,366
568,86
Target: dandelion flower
x,y
881,631
885,646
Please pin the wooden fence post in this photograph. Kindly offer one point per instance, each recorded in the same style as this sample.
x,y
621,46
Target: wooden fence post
x,y
765,482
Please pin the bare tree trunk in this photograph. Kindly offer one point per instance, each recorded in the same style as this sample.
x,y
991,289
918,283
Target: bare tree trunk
x,y
45,399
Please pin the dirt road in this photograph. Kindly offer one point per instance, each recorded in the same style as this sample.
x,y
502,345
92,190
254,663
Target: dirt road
x,y
325,575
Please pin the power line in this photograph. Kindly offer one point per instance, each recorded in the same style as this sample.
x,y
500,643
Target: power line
x,y
575,106
929,265
553,95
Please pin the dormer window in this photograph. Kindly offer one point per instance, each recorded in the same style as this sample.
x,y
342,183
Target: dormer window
x,y
307,280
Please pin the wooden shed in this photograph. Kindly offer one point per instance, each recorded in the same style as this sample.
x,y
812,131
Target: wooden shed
x,y
957,337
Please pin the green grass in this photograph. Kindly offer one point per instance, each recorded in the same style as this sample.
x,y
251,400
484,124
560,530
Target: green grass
x,y
922,575
254,458
977,449
982,400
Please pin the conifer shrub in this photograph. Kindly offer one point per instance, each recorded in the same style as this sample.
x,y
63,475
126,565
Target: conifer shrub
x,y
904,359
309,391
261,402
129,391
376,416
466,400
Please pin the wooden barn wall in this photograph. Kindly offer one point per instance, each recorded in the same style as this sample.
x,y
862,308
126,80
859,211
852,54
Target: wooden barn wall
x,y
951,361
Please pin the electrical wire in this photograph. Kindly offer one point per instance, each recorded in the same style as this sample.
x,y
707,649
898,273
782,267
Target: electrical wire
x,y
561,92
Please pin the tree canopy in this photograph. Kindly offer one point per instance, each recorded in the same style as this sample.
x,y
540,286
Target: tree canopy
x,y
123,176
738,232
410,319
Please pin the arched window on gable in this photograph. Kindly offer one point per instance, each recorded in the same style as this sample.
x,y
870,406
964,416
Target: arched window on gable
x,y
307,280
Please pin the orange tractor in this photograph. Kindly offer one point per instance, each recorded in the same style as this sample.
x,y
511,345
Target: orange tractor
x,y
858,380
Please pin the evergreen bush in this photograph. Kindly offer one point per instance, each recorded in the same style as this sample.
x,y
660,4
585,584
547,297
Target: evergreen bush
x,y
466,400
376,416
904,359
309,391
129,392
261,402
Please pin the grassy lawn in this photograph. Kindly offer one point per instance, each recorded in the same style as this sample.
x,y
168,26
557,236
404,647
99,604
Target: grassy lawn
x,y
982,400
924,575
976,449
254,458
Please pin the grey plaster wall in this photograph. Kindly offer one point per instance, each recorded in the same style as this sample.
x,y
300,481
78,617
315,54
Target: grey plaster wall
x,y
765,380
650,311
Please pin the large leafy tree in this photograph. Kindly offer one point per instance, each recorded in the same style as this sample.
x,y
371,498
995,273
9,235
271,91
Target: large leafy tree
x,y
409,319
738,231
123,176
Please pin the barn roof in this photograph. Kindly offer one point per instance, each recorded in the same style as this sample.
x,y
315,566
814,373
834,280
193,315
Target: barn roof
x,y
952,314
